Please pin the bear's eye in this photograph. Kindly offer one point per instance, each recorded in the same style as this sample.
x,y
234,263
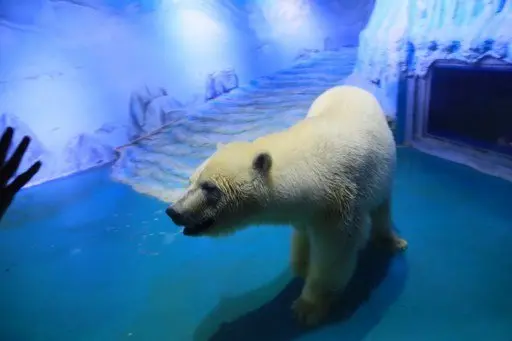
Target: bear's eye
x,y
208,187
211,191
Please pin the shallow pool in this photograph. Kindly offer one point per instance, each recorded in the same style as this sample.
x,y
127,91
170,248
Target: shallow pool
x,y
86,258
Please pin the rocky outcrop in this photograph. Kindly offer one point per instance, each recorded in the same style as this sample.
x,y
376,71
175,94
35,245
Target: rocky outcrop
x,y
163,110
219,83
85,151
112,134
82,152
150,109
161,165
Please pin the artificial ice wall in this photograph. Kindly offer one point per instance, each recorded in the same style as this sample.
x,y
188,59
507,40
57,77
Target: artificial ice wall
x,y
407,36
85,76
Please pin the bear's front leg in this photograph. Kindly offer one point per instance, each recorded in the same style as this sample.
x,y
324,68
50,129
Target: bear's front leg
x,y
300,252
314,303
382,228
333,258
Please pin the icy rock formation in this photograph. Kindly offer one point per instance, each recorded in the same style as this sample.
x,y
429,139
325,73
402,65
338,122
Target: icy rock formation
x,y
381,50
458,29
51,167
164,110
85,151
150,109
82,152
34,152
306,53
409,35
113,135
160,166
219,83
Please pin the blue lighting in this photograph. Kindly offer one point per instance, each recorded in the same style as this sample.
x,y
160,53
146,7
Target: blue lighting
x,y
147,88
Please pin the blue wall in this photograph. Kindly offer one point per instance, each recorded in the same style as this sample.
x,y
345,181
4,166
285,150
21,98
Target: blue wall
x,y
80,76
85,76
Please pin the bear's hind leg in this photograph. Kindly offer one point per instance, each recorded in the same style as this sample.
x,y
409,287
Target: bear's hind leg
x,y
300,252
333,258
382,228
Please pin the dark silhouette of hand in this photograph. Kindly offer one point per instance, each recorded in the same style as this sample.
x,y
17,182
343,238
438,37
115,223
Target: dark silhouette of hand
x,y
9,167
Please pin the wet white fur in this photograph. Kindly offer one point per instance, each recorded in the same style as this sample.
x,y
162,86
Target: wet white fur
x,y
330,179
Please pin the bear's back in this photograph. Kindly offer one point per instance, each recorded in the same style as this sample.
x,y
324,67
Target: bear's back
x,y
345,141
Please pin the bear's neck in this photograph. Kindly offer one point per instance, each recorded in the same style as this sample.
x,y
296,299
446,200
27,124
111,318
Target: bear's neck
x,y
284,214
292,195
284,206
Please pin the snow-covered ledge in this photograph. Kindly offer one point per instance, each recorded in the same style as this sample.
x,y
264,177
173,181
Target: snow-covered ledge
x,y
404,37
454,33
402,41
460,30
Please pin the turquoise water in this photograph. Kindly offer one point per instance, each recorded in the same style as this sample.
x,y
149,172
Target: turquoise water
x,y
85,258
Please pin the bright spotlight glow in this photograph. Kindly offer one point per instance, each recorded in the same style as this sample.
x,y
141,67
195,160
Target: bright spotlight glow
x,y
203,43
198,29
292,22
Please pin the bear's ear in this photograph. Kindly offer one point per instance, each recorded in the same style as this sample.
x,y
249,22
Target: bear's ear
x,y
220,145
262,163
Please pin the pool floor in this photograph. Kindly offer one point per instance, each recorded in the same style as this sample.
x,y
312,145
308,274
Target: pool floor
x,y
86,258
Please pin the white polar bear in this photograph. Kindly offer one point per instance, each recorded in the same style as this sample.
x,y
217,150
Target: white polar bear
x,y
329,176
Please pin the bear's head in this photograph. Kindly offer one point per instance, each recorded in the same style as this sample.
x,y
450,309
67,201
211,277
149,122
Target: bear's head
x,y
226,192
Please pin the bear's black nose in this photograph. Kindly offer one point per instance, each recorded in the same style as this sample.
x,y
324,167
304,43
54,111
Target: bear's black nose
x,y
175,216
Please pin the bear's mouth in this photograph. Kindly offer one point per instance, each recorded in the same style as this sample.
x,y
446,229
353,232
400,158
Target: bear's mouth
x,y
196,230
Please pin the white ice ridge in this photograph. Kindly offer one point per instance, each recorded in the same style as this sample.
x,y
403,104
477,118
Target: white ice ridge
x,y
409,35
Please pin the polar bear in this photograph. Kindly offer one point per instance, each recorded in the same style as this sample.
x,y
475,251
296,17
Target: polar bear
x,y
329,176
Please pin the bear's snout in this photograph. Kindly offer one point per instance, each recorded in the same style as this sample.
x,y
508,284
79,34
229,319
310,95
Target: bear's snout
x,y
176,217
